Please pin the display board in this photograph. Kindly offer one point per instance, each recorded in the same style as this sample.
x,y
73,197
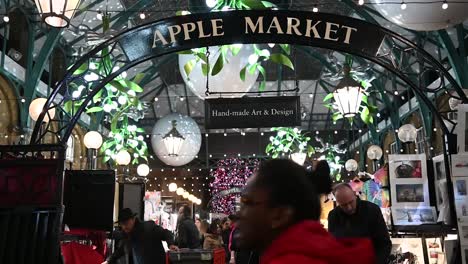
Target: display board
x,y
131,196
89,199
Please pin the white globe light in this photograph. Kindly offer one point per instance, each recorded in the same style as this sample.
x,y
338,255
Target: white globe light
x,y
198,201
36,107
191,198
211,3
143,170
186,195
299,157
374,152
172,187
123,158
351,165
407,133
423,16
122,100
92,140
187,128
196,81
180,191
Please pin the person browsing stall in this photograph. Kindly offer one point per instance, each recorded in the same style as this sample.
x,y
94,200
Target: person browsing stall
x,y
354,218
187,232
142,243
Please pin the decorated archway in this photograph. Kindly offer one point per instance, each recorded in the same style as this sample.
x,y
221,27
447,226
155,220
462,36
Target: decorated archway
x,y
180,33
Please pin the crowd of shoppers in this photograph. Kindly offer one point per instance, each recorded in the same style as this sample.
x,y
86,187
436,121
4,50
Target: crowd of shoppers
x,y
278,224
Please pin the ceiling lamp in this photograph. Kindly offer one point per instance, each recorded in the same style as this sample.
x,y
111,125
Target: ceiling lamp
x,y
36,107
299,157
180,191
351,165
176,143
173,140
407,133
374,152
57,13
172,187
348,94
92,140
123,158
143,170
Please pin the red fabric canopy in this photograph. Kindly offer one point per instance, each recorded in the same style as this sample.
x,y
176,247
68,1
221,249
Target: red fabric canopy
x,y
75,253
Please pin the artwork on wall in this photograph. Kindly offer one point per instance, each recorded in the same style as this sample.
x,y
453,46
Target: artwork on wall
x,y
408,180
461,198
462,128
460,165
407,250
463,231
387,216
440,185
435,254
414,215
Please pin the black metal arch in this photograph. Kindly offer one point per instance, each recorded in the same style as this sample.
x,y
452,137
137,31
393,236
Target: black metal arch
x,y
394,50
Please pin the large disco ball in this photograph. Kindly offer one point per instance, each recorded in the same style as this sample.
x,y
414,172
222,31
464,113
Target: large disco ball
x,y
423,16
187,128
227,80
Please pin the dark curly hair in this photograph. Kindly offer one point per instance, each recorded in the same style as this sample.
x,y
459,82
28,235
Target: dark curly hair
x,y
291,185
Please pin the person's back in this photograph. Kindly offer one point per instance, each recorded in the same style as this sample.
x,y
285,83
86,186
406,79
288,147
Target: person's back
x,y
187,232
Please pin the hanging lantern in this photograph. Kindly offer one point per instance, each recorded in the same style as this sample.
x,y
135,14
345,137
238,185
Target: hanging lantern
x,y
36,107
298,157
143,170
172,187
348,94
351,165
173,141
407,133
374,152
57,13
92,140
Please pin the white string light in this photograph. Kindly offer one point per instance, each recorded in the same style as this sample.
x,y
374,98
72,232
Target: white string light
x,y
444,5
6,19
360,2
142,16
403,5
315,9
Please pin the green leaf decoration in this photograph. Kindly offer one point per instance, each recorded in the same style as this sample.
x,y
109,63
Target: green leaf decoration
x,y
254,4
281,59
252,68
94,109
134,86
328,97
235,49
310,150
337,116
366,117
219,64
286,48
83,68
364,99
268,4
121,87
242,73
185,52
98,96
140,130
204,68
137,79
188,67
261,86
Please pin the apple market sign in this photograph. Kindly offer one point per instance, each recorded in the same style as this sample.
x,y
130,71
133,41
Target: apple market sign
x,y
266,26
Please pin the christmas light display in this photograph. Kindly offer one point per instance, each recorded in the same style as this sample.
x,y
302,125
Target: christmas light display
x,y
229,177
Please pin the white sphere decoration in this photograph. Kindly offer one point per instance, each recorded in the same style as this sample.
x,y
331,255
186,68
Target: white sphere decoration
x,y
407,133
351,165
227,80
374,152
36,107
188,128
172,187
422,16
186,195
143,170
123,158
92,140
192,198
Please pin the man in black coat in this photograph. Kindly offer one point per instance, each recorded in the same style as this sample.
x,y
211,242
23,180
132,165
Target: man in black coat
x,y
187,232
142,243
356,218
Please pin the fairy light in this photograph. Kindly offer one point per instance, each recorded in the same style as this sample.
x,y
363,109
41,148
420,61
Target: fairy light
x,y
360,2
445,5
403,5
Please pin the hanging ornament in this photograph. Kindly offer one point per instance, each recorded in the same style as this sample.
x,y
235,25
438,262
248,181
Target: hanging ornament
x,y
176,139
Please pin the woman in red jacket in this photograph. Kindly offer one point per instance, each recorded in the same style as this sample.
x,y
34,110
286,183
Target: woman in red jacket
x,y
279,216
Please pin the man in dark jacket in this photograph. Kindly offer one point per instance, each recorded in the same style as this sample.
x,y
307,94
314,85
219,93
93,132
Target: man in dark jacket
x,y
187,232
356,218
142,243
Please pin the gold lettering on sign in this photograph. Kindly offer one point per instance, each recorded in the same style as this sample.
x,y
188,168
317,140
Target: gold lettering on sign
x,y
201,33
349,30
253,27
293,24
276,25
188,28
329,30
158,37
172,32
216,27
312,28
